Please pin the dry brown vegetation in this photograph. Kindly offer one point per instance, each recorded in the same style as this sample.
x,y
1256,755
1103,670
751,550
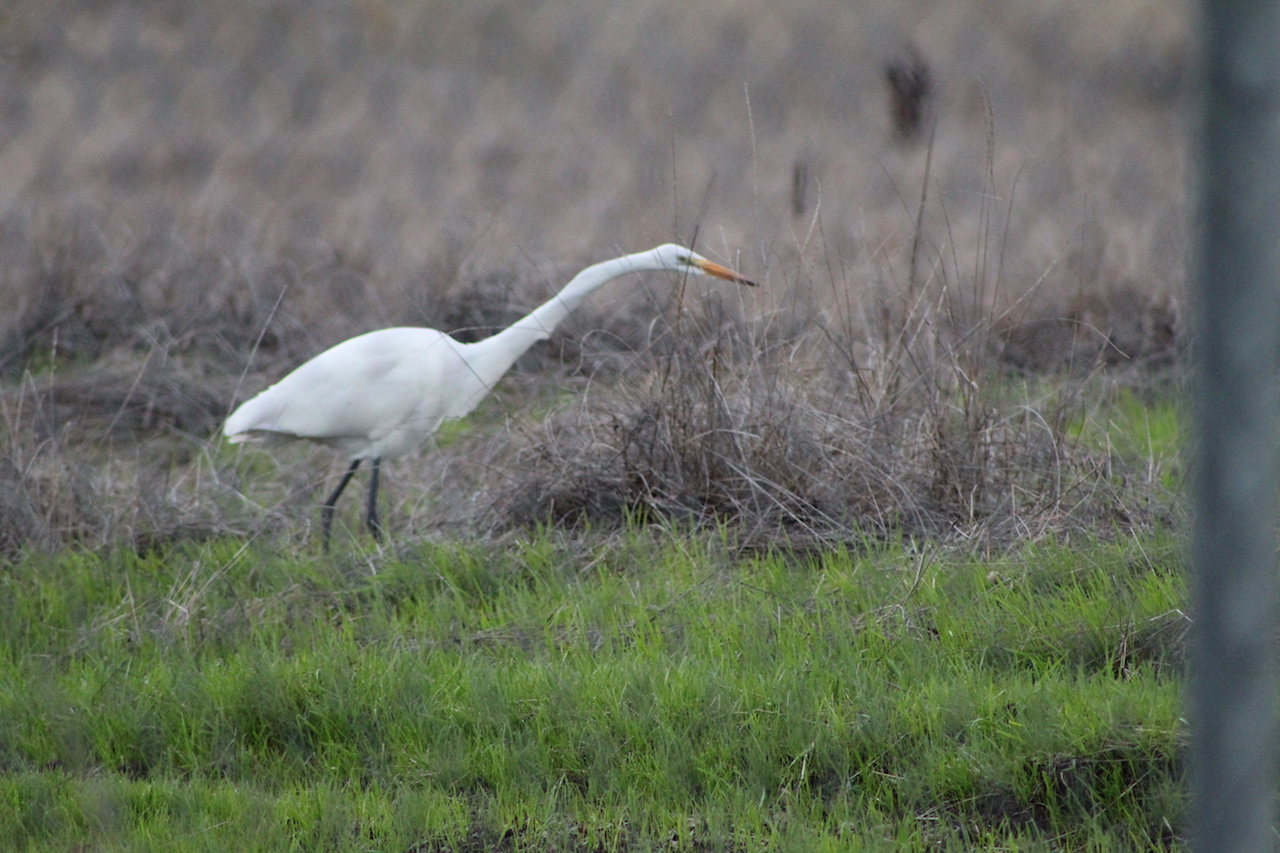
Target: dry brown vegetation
x,y
943,203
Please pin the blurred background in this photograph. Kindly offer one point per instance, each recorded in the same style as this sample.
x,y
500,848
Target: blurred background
x,y
367,153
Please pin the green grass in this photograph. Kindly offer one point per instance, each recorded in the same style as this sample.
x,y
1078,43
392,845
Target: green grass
x,y
1148,434
652,691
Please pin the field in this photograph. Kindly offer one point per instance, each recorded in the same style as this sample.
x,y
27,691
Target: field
x,y
651,692
883,554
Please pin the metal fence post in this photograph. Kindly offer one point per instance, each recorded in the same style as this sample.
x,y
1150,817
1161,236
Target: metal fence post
x,y
1236,297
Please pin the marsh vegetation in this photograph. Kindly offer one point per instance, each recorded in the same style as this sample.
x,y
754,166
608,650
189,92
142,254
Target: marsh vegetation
x,y
882,555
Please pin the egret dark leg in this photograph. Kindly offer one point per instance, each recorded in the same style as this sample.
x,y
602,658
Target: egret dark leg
x,y
326,511
371,517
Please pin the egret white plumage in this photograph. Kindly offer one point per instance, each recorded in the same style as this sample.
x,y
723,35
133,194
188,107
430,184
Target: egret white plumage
x,y
382,394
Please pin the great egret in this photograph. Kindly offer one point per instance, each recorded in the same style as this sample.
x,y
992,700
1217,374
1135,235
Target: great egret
x,y
382,394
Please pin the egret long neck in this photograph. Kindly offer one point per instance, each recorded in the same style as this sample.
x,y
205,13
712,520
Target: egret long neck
x,y
493,357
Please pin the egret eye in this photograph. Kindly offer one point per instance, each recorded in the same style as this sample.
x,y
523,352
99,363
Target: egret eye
x,y
684,259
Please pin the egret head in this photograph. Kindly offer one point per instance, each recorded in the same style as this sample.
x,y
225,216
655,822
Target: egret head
x,y
670,256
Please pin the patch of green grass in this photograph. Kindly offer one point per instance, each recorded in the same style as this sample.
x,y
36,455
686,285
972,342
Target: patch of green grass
x,y
651,691
1145,434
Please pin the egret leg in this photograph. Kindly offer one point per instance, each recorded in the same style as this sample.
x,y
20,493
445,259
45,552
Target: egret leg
x,y
371,517
326,511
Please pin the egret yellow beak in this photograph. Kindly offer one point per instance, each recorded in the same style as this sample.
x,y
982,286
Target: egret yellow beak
x,y
714,269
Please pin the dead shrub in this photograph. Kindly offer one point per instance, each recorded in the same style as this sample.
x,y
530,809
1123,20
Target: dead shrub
x,y
95,462
920,433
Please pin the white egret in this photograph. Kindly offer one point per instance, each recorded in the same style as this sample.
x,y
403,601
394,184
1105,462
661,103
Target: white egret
x,y
382,394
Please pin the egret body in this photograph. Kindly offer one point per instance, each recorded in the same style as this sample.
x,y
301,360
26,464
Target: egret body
x,y
382,394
